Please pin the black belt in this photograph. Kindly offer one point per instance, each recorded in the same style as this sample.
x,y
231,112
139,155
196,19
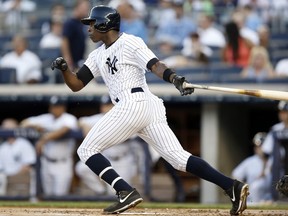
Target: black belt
x,y
133,90
54,160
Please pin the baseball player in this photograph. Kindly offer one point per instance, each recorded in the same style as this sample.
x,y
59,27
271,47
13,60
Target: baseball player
x,y
55,149
274,146
256,170
122,60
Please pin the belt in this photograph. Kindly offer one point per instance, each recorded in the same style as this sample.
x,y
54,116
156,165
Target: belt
x,y
133,90
54,160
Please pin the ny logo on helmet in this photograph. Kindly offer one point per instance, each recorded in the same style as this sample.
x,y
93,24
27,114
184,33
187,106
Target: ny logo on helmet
x,y
111,65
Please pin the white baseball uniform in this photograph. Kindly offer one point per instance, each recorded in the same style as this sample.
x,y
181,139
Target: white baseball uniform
x,y
249,170
13,156
121,156
137,111
57,155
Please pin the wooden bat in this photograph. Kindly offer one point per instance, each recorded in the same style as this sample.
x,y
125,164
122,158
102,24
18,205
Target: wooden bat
x,y
261,93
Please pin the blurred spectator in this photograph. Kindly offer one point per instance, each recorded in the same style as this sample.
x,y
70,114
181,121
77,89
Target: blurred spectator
x,y
196,7
57,14
17,157
131,22
53,38
119,155
281,68
16,14
55,149
252,20
264,36
256,171
139,6
237,49
239,18
75,34
194,53
27,64
259,66
209,34
175,29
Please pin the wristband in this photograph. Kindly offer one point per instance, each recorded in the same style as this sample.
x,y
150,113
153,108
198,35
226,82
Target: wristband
x,y
166,75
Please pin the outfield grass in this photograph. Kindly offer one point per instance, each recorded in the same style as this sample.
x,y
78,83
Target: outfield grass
x,y
97,204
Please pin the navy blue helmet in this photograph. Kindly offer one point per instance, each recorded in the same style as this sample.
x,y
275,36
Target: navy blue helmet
x,y
106,18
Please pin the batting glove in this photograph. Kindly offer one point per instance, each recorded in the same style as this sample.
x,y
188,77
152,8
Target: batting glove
x,y
60,64
178,83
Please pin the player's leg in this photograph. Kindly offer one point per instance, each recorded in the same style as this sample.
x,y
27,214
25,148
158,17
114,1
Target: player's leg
x,y
166,143
115,127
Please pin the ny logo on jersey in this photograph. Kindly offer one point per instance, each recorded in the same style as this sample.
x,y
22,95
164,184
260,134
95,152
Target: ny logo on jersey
x,y
111,65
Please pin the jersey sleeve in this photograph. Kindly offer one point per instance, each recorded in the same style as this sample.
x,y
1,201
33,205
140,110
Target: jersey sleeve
x,y
91,63
141,52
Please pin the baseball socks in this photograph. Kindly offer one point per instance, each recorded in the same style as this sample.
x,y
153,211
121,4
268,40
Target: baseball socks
x,y
202,169
128,197
102,167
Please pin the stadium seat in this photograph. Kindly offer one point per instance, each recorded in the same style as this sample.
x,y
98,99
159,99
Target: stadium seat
x,y
8,75
219,71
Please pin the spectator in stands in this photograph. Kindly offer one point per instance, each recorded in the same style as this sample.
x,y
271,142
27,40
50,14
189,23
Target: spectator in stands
x,y
239,18
176,28
17,156
264,36
256,171
27,64
16,14
57,14
53,38
121,156
281,68
131,22
55,149
193,53
74,36
259,66
237,49
209,34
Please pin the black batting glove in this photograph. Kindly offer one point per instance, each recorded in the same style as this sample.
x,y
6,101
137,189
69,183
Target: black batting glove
x,y
60,64
178,83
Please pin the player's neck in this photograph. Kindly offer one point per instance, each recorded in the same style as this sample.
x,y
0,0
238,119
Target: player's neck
x,y
112,37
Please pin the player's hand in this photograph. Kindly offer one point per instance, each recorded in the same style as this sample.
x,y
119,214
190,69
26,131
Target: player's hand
x,y
60,64
178,83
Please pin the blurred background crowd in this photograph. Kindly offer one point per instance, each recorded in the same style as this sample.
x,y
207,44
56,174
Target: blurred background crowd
x,y
215,40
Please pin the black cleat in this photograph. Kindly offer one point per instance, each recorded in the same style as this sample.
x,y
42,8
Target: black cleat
x,y
238,194
127,200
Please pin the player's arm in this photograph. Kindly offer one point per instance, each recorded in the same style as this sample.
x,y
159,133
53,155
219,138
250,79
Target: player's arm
x,y
167,74
75,81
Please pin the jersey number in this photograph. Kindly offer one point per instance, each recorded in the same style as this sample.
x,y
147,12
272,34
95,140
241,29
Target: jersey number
x,y
111,65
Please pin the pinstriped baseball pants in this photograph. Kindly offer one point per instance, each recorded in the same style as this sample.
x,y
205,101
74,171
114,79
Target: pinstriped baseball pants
x,y
143,114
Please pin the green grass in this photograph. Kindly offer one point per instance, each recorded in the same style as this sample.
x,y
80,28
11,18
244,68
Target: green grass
x,y
80,204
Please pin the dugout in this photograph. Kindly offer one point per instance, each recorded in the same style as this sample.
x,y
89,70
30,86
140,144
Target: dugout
x,y
216,126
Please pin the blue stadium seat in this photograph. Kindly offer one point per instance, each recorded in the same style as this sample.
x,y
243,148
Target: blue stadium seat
x,y
7,75
220,70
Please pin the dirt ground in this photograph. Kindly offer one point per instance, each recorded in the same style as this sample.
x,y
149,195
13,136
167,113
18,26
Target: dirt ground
x,y
6,211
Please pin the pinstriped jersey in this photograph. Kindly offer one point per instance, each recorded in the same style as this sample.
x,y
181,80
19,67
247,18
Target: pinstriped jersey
x,y
121,65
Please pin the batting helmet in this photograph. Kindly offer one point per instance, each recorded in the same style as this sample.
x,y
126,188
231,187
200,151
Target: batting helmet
x,y
106,18
283,105
259,138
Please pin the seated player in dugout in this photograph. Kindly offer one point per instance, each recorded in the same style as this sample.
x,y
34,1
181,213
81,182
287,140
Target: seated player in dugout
x,y
122,60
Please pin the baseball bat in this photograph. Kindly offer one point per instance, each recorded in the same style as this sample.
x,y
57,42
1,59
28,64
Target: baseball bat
x,y
261,93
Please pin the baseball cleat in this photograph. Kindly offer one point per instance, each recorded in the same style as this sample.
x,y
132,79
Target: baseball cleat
x,y
127,200
238,195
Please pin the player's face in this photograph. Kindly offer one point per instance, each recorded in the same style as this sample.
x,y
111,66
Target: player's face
x,y
94,35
